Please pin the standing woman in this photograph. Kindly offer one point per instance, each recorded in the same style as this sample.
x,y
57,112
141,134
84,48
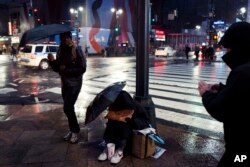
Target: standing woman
x,y
70,63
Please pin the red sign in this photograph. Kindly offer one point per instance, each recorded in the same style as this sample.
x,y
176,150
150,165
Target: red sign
x,y
160,35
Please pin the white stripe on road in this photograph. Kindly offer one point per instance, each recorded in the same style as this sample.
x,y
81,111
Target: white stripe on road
x,y
13,84
7,90
183,119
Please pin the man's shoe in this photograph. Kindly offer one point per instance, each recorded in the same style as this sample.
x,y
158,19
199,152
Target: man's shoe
x,y
67,136
74,138
103,156
117,157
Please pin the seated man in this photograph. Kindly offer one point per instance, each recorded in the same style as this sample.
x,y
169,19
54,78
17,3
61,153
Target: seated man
x,y
124,115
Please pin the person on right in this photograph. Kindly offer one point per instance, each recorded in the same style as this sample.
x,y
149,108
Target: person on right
x,y
229,102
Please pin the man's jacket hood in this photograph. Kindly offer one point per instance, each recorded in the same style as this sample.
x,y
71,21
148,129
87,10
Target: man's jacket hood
x,y
237,38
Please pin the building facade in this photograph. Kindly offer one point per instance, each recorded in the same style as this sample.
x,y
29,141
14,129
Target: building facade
x,y
179,18
98,27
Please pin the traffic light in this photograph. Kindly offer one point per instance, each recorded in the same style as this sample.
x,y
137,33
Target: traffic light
x,y
30,12
215,37
117,30
35,12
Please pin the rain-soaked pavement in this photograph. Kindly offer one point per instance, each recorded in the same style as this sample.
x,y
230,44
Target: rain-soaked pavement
x,y
31,135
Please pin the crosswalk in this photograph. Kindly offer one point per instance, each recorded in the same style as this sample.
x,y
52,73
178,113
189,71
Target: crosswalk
x,y
173,89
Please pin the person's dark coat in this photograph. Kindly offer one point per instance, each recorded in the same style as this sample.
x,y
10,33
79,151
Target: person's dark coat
x,y
230,104
210,52
74,67
187,50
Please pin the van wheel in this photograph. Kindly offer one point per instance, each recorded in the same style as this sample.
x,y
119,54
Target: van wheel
x,y
44,65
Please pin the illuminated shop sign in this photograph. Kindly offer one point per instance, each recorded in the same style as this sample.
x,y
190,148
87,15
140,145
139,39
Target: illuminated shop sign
x,y
219,24
160,35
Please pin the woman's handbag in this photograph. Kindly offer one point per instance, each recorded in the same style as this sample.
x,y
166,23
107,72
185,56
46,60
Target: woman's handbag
x,y
142,145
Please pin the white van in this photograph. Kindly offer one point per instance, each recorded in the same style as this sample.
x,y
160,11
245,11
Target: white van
x,y
35,55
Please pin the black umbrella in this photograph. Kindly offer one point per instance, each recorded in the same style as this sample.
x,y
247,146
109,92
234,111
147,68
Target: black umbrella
x,y
42,32
103,100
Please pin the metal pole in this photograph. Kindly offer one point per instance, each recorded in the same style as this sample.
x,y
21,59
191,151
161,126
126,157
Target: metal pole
x,y
31,3
142,60
76,26
210,19
116,32
248,12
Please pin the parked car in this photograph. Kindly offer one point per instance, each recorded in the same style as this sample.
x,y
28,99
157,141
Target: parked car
x,y
219,52
35,55
165,51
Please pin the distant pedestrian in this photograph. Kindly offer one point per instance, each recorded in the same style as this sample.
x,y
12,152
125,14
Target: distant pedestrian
x,y
105,52
196,52
107,49
187,50
203,52
229,102
13,52
86,50
209,53
70,63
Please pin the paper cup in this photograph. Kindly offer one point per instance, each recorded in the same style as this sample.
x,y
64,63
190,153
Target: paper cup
x,y
111,150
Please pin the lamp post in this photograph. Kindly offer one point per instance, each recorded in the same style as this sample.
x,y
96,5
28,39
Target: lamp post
x,y
242,12
142,60
76,22
197,27
211,13
117,12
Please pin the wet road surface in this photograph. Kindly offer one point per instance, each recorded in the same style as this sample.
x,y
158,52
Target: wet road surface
x,y
32,122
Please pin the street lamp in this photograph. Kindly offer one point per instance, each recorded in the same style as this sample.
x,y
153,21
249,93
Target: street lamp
x,y
198,27
117,12
243,10
76,22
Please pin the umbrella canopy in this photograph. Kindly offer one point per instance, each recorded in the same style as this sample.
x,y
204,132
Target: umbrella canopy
x,y
103,100
42,32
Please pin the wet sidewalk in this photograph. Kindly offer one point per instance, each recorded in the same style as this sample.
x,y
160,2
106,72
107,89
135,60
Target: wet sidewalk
x,y
31,136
